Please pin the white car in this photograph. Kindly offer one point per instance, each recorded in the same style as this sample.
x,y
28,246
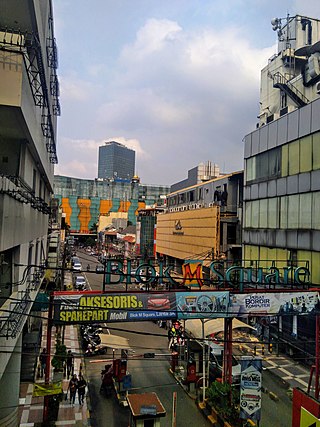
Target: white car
x,y
80,283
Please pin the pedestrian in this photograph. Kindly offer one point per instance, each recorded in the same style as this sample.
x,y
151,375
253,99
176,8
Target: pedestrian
x,y
172,336
70,363
73,386
82,383
43,362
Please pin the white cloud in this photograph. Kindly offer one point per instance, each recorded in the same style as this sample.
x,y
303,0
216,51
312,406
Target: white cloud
x,y
73,88
178,94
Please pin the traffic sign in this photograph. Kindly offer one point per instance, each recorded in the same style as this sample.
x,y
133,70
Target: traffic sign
x,y
308,420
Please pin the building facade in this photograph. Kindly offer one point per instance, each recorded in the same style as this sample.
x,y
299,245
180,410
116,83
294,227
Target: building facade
x,y
282,164
226,192
29,107
201,173
116,161
84,200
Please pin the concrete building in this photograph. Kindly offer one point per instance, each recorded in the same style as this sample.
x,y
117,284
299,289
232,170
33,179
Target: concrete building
x,y
282,164
29,106
201,173
116,161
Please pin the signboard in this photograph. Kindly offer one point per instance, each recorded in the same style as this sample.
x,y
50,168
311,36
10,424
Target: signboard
x,y
222,274
91,306
273,303
99,307
197,305
308,420
250,388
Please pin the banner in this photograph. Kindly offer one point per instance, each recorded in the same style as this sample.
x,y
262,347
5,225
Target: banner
x,y
250,387
47,389
273,303
98,307
82,307
201,305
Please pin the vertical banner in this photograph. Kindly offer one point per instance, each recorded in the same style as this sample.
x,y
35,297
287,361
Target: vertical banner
x,y
250,387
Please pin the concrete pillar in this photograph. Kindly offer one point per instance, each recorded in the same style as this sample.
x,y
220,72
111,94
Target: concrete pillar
x,y
10,387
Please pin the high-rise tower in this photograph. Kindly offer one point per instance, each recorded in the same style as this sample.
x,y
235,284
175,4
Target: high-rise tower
x,y
116,161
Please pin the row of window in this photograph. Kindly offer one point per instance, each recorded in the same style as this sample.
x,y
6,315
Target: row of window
x,y
302,155
294,211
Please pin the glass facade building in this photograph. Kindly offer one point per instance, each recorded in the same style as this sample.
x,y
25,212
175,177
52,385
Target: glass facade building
x,y
116,161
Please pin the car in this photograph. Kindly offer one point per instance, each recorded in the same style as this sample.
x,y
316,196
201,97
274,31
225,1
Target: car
x,y
159,302
76,264
216,364
80,283
99,268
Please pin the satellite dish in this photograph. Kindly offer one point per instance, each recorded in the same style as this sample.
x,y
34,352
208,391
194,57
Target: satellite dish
x,y
308,50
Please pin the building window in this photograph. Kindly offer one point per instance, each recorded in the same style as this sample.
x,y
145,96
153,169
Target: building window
x,y
34,180
264,166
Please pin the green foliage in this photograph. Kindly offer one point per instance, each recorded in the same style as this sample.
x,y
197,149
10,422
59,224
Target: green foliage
x,y
225,399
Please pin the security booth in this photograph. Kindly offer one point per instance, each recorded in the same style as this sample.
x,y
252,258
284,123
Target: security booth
x,y
146,410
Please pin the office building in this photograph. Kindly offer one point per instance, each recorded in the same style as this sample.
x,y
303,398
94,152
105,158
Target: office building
x,y
282,167
29,106
116,161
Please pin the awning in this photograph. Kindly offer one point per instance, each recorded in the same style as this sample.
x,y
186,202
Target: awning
x,y
114,341
211,326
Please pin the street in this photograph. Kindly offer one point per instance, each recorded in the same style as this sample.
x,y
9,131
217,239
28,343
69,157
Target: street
x,y
153,375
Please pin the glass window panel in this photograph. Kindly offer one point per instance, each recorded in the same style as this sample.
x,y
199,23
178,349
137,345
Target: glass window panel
x,y
284,212
273,213
274,162
294,158
305,210
255,214
306,154
247,220
262,165
249,169
263,213
315,210
293,211
316,151
284,160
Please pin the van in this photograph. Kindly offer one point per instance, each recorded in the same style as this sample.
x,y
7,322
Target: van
x,y
216,364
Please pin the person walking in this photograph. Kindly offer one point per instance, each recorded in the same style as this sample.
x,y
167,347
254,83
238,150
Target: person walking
x,y
43,362
72,388
70,363
82,383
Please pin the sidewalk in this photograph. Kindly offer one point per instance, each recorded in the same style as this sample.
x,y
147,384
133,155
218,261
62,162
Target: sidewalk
x,y
31,408
291,373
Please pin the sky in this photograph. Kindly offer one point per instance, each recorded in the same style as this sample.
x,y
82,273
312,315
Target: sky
x,y
178,81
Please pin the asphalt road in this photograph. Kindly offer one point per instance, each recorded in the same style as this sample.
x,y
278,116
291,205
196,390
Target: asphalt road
x,y
148,375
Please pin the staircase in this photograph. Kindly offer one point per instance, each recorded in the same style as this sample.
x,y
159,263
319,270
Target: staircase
x,y
280,82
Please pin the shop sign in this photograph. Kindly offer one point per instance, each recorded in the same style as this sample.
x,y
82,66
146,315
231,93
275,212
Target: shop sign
x,y
235,276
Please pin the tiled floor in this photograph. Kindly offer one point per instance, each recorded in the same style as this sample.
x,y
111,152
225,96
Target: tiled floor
x,y
31,408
